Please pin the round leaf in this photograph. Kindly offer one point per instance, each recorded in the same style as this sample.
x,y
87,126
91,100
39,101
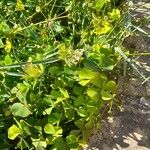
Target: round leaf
x,y
82,111
13,132
110,86
106,96
54,118
49,129
92,92
20,110
79,101
32,70
58,130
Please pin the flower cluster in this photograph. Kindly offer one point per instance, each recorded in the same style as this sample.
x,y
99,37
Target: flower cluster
x,y
75,57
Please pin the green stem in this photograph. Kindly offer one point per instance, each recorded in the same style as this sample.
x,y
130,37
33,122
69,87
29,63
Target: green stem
x,y
42,22
40,10
24,63
138,54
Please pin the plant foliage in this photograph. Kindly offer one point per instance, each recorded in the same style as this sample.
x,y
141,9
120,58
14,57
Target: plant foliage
x,y
54,70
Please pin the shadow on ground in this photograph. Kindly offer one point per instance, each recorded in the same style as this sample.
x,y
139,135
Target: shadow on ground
x,y
129,130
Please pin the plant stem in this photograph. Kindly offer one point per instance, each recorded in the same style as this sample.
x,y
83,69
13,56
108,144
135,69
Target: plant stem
x,y
139,54
24,63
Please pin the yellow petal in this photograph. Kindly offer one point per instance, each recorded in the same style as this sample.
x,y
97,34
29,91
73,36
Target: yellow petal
x,y
8,46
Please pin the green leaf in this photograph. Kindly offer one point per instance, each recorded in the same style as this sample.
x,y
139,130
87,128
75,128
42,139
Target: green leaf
x,y
82,111
54,130
49,129
110,86
47,100
8,60
55,70
72,139
104,60
47,111
108,68
80,123
92,92
39,144
104,28
21,91
20,110
106,96
54,118
25,127
57,27
64,93
78,90
54,94
93,106
58,130
60,143
32,70
4,28
79,101
33,96
64,96
99,80
13,132
85,76
69,112
1,43
69,71
84,82
98,4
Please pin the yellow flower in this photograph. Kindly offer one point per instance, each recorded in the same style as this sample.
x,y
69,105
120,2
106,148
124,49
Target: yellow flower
x,y
8,46
19,5
104,28
115,14
64,52
101,25
96,47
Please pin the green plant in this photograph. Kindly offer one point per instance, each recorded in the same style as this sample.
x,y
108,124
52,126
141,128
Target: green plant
x,y
55,58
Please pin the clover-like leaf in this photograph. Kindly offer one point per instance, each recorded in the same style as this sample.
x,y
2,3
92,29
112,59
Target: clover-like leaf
x,y
20,110
82,111
106,96
32,70
13,132
79,101
49,129
92,92
110,86
8,60
85,76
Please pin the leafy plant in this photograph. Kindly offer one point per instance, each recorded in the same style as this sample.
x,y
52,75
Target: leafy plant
x,y
54,65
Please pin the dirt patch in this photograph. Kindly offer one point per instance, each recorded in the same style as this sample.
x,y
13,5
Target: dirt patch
x,y
128,130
